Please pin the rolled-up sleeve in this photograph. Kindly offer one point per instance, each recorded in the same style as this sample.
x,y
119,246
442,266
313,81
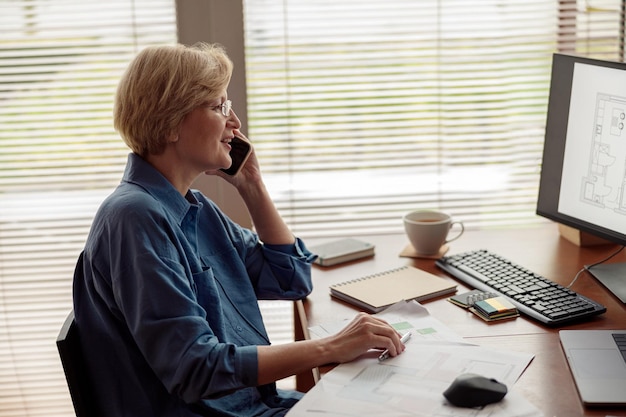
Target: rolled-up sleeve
x,y
281,271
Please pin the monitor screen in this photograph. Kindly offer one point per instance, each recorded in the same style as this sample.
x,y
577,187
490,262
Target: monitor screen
x,y
583,173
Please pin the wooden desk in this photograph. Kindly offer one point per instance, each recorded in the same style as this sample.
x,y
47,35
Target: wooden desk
x,y
547,382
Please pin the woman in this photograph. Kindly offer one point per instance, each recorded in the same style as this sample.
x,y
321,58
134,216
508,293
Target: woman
x,y
166,289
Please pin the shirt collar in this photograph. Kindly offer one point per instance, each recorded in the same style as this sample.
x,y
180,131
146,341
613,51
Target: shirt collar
x,y
139,172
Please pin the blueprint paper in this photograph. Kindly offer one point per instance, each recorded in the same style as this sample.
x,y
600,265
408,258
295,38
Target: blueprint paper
x,y
412,383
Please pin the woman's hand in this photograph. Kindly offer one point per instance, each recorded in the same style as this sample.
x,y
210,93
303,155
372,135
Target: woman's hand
x,y
268,223
250,172
363,333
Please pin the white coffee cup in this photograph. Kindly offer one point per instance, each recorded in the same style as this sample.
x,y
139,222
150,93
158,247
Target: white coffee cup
x,y
428,230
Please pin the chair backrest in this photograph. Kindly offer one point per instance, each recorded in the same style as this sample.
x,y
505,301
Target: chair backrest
x,y
72,359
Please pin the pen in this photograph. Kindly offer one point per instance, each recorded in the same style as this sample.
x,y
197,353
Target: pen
x,y
405,338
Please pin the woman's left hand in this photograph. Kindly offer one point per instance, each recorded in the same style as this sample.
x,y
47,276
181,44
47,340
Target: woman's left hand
x,y
250,173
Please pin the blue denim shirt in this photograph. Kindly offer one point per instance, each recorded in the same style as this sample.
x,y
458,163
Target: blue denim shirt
x,y
165,299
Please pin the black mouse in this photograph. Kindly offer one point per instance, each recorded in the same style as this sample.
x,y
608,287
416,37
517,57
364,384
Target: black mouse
x,y
472,390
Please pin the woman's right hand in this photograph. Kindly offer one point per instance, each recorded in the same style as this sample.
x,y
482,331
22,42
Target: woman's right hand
x,y
363,333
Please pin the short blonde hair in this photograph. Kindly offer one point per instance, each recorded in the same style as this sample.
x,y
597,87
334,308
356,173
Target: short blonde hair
x,y
161,86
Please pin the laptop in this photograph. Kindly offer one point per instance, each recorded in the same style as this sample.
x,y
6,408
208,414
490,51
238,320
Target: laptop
x,y
597,360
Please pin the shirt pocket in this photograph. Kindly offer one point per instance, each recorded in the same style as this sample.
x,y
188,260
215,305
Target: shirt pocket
x,y
208,297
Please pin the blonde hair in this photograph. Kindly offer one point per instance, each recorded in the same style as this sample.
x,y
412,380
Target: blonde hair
x,y
161,86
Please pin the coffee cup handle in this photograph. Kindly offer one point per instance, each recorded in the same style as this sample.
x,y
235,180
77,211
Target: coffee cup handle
x,y
459,234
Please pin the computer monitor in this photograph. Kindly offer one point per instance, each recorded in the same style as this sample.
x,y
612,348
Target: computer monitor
x,y
583,173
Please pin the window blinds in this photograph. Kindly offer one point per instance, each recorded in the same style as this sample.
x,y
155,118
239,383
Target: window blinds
x,y
362,111
60,62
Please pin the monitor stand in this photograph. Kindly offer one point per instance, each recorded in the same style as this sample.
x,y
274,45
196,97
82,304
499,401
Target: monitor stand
x,y
613,277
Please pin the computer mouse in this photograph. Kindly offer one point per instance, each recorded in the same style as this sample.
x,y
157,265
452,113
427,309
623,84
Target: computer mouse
x,y
472,390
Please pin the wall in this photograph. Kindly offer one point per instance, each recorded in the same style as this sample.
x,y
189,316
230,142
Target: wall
x,y
222,22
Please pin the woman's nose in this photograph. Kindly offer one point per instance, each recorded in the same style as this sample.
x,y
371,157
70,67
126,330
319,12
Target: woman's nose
x,y
232,118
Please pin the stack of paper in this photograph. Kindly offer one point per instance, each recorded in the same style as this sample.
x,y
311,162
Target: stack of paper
x,y
488,306
412,383
495,308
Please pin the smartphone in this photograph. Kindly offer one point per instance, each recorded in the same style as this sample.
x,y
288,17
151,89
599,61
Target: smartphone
x,y
239,153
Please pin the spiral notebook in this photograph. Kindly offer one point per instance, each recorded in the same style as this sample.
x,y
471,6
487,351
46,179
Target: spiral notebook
x,y
376,292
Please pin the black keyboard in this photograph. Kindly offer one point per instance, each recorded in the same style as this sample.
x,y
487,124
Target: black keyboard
x,y
533,295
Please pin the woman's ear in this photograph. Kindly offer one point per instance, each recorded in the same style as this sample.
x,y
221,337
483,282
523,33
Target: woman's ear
x,y
173,138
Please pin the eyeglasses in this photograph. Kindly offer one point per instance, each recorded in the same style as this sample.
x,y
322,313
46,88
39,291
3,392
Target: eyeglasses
x,y
225,107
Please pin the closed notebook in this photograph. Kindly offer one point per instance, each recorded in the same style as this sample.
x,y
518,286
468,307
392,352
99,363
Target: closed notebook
x,y
376,292
342,250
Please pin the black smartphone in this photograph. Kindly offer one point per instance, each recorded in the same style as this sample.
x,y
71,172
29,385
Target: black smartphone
x,y
239,153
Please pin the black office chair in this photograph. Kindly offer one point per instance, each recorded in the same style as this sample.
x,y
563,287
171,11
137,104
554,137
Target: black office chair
x,y
78,381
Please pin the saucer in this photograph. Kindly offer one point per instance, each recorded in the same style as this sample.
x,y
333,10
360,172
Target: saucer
x,y
410,252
